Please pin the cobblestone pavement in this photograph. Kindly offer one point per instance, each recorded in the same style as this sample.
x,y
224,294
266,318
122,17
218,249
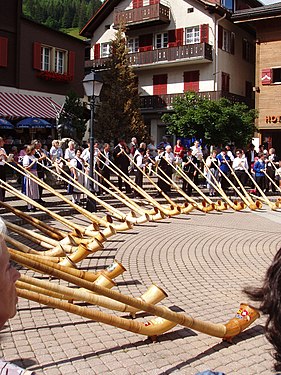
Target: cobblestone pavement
x,y
201,260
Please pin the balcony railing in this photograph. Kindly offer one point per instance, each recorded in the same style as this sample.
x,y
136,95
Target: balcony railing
x,y
156,14
153,102
199,51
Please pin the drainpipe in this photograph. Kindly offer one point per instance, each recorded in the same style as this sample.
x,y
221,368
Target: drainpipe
x,y
216,49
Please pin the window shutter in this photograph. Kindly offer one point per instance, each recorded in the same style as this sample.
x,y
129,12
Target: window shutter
x,y
152,2
220,36
266,76
204,33
191,80
171,38
179,37
145,42
232,44
97,51
71,63
225,79
3,52
37,55
137,4
160,84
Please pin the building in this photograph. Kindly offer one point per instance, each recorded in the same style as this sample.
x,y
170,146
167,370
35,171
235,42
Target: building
x,y
176,46
38,66
265,21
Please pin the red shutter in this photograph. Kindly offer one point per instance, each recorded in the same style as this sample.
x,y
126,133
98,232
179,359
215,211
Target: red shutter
x,y
232,44
97,51
71,63
152,2
137,4
204,33
160,82
37,55
172,38
179,37
191,80
3,52
266,76
220,36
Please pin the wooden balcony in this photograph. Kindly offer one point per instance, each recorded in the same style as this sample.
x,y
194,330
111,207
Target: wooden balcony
x,y
200,52
156,102
156,14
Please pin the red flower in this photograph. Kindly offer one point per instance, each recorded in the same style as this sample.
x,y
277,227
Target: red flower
x,y
53,76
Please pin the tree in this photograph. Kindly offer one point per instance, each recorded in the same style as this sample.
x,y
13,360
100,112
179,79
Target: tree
x,y
217,122
73,114
118,115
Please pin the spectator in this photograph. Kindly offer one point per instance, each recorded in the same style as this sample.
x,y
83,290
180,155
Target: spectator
x,y
224,160
30,187
41,156
240,165
139,161
70,151
189,169
178,151
165,159
76,166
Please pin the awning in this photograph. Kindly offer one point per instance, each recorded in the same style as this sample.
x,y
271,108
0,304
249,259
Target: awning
x,y
16,106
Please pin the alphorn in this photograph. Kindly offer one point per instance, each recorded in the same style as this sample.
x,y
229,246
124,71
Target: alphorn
x,y
245,316
81,210
272,181
153,294
126,201
273,206
251,204
165,210
43,227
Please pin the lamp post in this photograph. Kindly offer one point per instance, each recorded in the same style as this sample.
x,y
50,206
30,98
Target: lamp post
x,y
92,86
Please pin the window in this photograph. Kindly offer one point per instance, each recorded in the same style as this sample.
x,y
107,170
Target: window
x,y
276,75
60,61
192,35
45,58
133,45
161,40
191,80
248,51
225,78
226,40
228,4
105,49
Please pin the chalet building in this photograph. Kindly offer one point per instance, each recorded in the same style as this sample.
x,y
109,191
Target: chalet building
x,y
265,21
176,46
38,66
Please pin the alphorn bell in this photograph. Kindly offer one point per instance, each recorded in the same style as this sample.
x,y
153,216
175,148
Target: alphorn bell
x,y
245,316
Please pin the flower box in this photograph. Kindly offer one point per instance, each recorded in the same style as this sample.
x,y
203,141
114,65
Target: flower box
x,y
53,76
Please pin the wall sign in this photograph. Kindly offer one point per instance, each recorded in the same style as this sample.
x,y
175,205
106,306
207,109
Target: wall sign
x,y
272,119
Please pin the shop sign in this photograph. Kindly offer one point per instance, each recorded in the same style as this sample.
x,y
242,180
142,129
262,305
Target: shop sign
x,y
272,119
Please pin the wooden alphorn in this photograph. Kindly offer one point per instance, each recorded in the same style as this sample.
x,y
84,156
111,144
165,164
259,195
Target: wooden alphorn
x,y
245,316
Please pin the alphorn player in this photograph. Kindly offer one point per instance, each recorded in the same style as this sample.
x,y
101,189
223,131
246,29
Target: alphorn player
x,y
8,298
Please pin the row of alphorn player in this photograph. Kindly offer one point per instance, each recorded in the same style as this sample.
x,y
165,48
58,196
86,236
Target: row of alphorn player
x,y
63,249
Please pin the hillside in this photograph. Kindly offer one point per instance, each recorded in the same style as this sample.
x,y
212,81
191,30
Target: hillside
x,y
61,14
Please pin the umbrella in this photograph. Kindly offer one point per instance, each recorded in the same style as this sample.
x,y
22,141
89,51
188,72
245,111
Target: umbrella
x,y
33,122
5,124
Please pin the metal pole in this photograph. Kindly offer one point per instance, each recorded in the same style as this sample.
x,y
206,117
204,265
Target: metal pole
x,y
91,203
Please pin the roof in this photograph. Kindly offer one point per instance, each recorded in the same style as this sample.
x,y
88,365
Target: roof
x,y
265,11
15,106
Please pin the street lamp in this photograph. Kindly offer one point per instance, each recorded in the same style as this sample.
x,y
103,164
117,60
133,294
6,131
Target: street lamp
x,y
92,83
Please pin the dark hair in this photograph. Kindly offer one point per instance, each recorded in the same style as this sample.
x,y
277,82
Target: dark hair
x,y
140,150
269,296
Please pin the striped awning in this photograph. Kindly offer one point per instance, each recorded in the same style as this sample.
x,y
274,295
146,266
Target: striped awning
x,y
16,106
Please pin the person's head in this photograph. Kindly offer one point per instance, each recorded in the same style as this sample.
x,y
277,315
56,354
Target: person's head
x,y
168,149
196,143
223,151
14,149
227,147
71,145
141,150
178,142
252,146
134,140
261,147
271,151
239,153
55,143
261,155
269,297
37,143
8,277
106,147
188,151
214,153
30,150
143,145
78,151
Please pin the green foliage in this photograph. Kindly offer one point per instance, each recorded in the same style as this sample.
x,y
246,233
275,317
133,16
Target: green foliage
x,y
74,111
217,122
61,14
119,112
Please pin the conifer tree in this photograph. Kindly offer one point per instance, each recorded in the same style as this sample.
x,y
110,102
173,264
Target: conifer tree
x,y
118,115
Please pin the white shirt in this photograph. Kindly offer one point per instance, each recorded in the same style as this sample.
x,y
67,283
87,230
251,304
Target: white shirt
x,y
239,163
69,154
2,158
197,152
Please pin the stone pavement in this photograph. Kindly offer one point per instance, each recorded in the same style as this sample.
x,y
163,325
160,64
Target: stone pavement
x,y
202,261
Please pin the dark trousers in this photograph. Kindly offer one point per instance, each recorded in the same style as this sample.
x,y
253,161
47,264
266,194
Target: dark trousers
x,y
124,169
138,180
242,177
106,174
271,173
2,177
186,187
260,180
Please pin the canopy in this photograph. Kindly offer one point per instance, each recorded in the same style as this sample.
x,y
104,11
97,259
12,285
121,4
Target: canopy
x,y
16,106
33,122
5,124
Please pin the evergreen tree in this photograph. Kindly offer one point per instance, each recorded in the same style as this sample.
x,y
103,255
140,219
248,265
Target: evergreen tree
x,y
119,112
